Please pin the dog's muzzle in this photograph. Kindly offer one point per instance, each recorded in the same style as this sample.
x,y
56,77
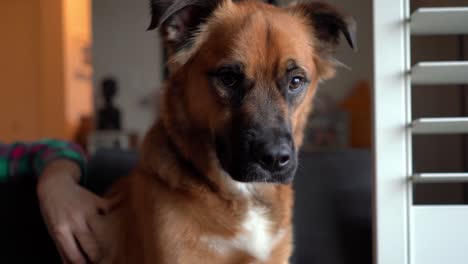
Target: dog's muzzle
x,y
272,157
263,155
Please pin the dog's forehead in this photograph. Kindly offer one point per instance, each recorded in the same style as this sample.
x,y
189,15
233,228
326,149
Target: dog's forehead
x,y
269,39
263,38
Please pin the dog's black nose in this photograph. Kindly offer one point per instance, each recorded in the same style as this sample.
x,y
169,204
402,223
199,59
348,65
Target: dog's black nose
x,y
274,157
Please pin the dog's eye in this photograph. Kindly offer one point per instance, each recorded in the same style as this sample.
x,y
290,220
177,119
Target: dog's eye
x,y
229,79
296,83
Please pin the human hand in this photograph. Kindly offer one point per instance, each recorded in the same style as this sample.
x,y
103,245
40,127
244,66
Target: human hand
x,y
70,212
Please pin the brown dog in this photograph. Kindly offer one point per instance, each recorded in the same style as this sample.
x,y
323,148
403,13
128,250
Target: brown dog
x,y
214,181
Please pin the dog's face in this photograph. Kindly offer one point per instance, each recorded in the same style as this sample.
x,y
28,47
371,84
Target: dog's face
x,y
247,73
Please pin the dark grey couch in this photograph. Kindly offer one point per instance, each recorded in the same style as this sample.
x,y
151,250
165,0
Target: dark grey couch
x,y
332,217
332,213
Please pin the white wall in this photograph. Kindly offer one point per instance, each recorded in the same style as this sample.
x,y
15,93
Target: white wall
x,y
124,49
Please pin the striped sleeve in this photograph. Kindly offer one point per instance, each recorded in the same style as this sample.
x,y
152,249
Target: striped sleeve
x,y
22,159
4,150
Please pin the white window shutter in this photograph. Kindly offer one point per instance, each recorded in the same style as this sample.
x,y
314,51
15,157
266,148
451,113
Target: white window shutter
x,y
405,233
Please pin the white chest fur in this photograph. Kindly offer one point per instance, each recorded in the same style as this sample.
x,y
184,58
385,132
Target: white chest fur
x,y
256,237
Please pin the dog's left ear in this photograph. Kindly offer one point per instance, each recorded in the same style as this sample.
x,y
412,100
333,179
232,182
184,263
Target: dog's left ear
x,y
328,22
179,19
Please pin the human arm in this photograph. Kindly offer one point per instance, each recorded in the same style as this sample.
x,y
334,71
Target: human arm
x,y
70,212
68,209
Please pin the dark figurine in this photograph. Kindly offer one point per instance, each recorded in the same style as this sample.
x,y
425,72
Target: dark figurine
x,y
109,115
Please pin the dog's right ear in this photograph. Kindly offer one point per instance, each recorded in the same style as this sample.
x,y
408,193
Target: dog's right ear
x,y
179,19
328,22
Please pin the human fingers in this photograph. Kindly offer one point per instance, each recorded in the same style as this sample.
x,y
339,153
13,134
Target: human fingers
x,y
107,205
88,242
67,245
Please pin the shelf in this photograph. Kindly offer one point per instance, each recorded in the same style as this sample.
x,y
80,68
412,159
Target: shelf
x,y
440,21
440,177
437,73
457,125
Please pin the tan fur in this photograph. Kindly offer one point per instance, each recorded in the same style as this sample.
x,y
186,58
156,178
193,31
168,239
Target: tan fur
x,y
179,193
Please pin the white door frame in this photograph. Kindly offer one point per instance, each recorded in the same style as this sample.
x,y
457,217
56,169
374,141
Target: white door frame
x,y
392,141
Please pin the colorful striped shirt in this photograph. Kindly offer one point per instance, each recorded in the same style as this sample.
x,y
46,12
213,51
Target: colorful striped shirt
x,y
29,159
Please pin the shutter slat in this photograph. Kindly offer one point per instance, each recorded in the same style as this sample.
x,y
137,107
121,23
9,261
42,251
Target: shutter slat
x,y
455,125
433,73
439,21
440,177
